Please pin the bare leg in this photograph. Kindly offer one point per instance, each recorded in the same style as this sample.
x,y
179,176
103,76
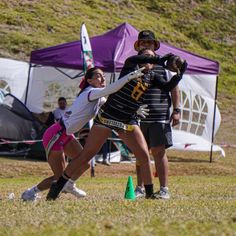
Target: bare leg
x,y
94,142
57,162
136,142
46,183
73,149
161,164
139,176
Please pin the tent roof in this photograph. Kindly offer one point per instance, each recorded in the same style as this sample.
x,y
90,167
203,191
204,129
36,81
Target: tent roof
x,y
110,51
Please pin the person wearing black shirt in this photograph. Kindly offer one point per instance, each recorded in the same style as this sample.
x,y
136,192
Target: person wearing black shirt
x,y
156,126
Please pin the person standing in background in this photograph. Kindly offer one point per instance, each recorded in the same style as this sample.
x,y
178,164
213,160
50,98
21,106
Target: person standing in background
x,y
156,126
59,112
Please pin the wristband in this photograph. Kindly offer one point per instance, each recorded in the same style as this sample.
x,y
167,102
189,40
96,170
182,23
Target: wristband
x,y
176,110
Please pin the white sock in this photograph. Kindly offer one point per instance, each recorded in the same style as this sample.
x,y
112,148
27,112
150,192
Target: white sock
x,y
35,189
71,181
164,188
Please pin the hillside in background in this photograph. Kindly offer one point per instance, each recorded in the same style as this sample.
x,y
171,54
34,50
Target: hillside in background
x,y
205,27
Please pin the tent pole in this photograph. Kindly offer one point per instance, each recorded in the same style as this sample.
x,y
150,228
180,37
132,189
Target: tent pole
x,y
27,86
213,123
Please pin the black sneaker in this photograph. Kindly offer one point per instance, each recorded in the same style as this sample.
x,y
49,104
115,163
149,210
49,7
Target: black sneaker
x,y
54,192
153,196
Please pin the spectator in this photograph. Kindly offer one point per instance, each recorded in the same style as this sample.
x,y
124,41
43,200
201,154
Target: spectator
x,y
156,126
59,112
105,160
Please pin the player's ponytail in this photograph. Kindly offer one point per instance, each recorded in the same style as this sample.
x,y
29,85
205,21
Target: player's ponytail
x,y
84,83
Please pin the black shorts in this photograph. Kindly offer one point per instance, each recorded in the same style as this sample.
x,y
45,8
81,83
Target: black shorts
x,y
157,134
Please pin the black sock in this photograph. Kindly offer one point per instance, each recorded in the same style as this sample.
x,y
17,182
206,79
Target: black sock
x,y
61,182
56,188
148,190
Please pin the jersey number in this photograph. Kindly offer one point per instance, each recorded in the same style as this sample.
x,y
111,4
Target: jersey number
x,y
138,91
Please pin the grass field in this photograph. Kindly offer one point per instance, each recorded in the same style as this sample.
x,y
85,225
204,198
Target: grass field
x,y
203,201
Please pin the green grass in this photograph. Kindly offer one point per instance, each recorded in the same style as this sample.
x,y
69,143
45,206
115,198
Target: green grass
x,y
201,26
199,205
202,203
203,195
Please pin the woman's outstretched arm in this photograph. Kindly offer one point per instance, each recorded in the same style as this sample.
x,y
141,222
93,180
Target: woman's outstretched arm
x,y
114,87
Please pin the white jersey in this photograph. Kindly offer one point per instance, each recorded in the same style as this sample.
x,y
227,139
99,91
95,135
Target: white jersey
x,y
82,110
58,113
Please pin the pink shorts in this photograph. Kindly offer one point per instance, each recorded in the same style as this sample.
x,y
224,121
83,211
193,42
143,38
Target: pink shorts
x,y
61,142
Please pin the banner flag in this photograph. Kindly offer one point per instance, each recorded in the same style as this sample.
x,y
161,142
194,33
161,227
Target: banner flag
x,y
86,49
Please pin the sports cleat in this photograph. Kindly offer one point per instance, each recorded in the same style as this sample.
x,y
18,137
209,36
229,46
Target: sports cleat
x,y
71,188
54,192
29,195
163,193
139,192
153,196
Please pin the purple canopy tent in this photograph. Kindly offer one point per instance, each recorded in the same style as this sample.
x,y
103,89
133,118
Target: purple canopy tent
x,y
110,51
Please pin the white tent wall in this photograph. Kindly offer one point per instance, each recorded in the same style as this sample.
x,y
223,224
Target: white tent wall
x,y
13,77
194,133
47,84
203,84
198,97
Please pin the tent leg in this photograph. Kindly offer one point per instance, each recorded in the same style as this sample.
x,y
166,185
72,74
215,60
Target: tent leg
x,y
213,123
27,86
